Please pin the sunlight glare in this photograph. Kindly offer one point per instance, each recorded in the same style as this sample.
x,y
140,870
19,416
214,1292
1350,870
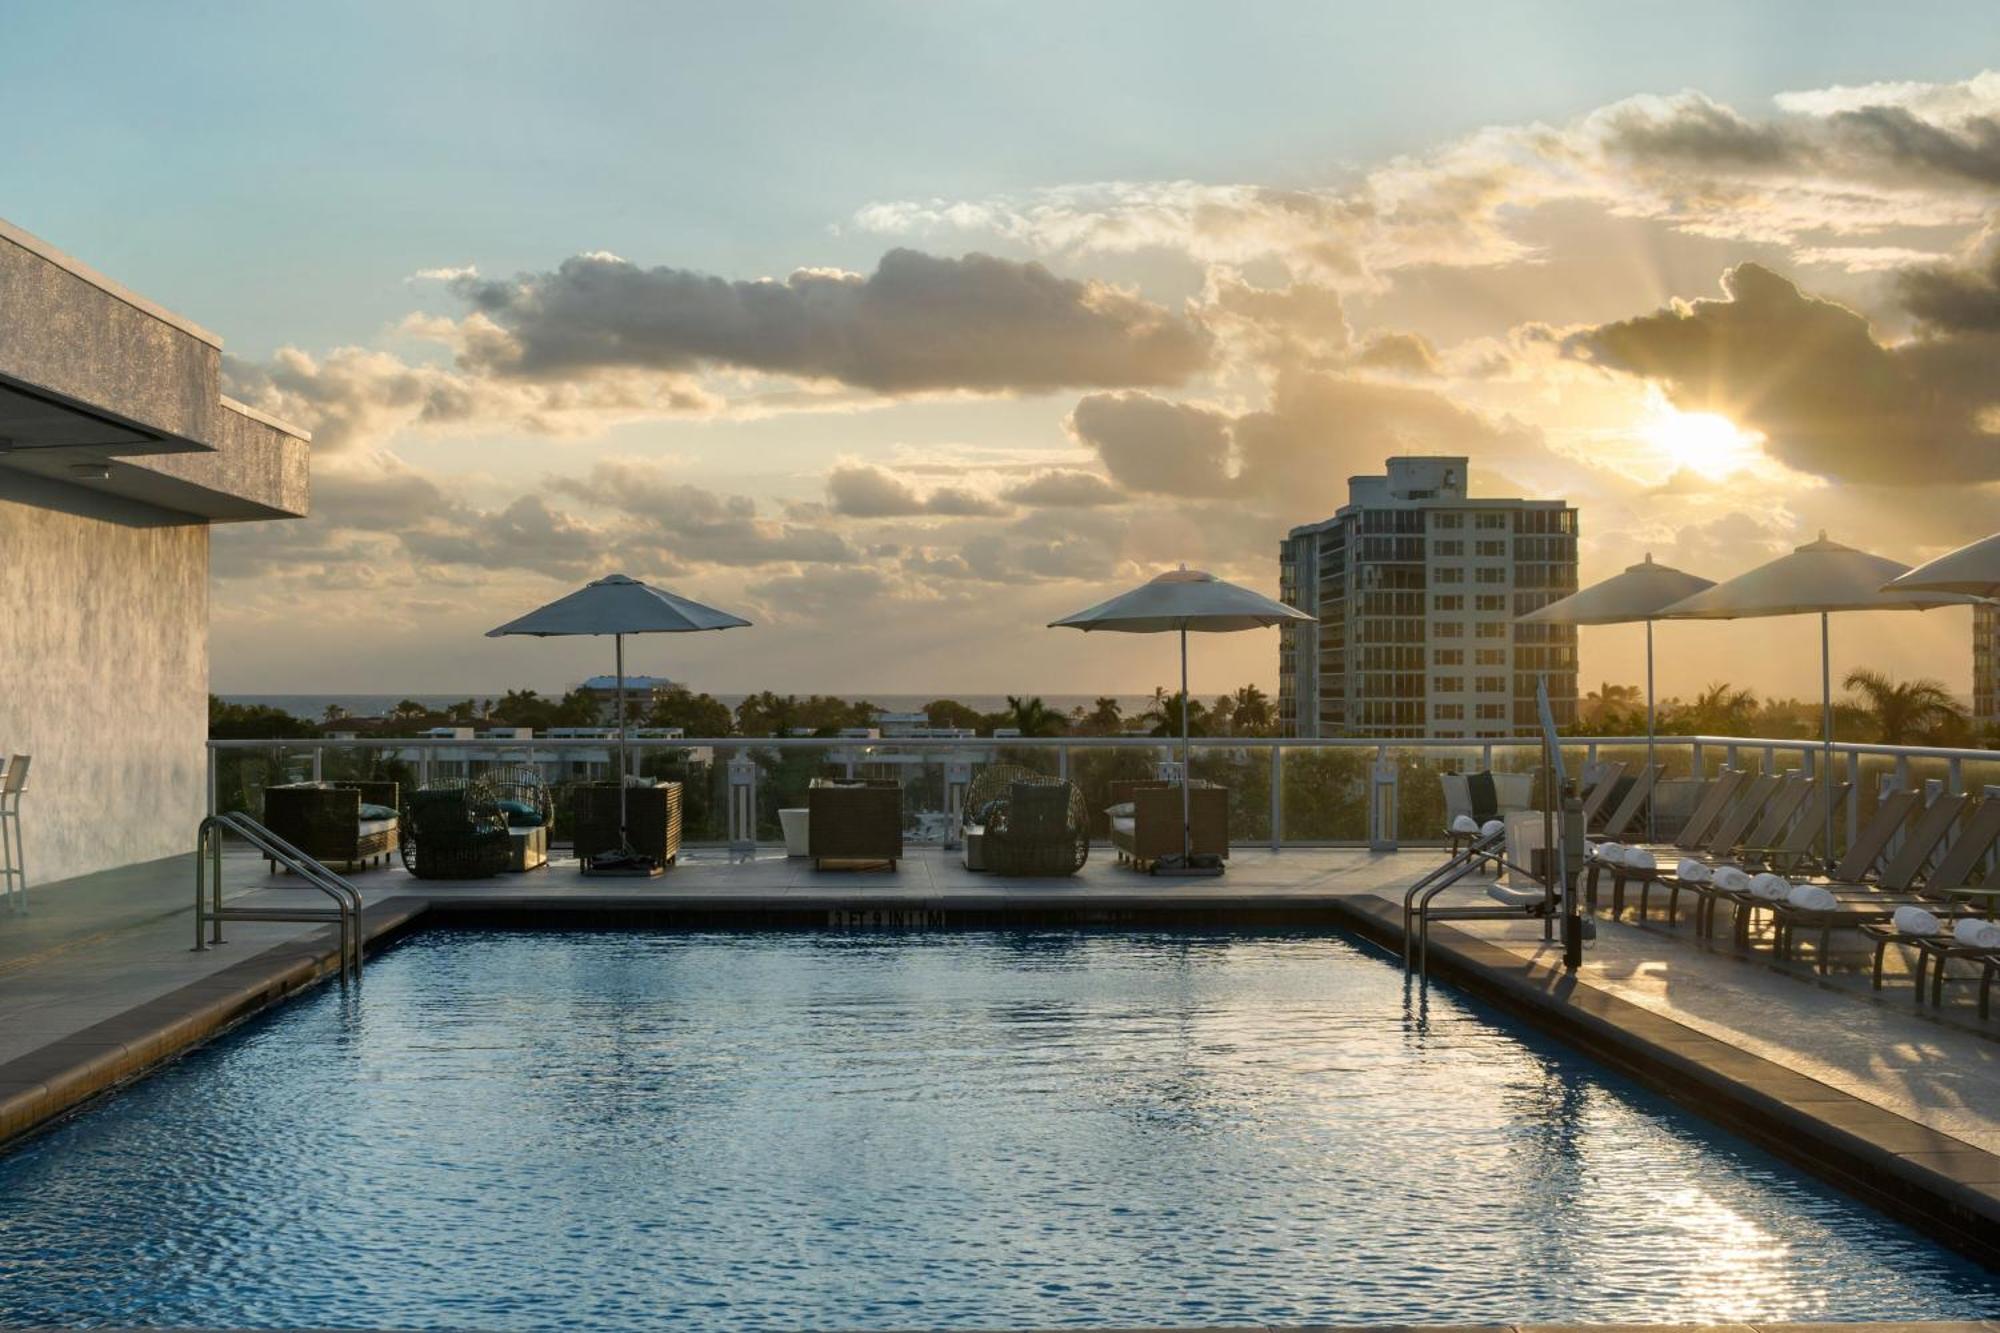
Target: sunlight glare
x,y
1702,442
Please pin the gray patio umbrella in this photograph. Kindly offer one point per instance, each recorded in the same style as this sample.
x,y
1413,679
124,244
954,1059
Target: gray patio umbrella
x,y
1818,578
1640,593
1183,601
617,605
1973,569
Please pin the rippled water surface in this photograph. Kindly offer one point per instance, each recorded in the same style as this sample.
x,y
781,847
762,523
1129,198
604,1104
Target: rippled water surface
x,y
976,1130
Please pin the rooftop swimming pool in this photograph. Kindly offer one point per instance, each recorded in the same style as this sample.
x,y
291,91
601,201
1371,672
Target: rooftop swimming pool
x,y
625,1129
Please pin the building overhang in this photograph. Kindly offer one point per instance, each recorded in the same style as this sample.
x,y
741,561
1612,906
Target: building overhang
x,y
104,390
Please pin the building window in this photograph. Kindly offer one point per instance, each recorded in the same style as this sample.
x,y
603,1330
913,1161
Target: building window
x,y
1444,522
1492,712
1447,684
1491,575
1448,712
1490,601
1448,548
1448,602
1451,629
1490,548
1489,657
1490,522
1449,657
1490,684
1493,630
1450,575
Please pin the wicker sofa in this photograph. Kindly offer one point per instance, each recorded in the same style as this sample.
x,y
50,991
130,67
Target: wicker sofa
x,y
859,821
1153,829
652,820
323,820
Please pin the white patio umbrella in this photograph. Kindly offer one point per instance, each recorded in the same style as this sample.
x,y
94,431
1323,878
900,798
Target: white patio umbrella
x,y
1183,601
1642,592
1818,578
617,605
1973,569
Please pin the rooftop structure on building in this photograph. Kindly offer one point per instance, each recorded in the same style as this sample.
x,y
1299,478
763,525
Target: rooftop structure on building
x,y
1416,583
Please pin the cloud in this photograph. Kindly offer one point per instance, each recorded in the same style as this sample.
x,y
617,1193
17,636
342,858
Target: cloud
x,y
1063,488
1398,353
918,323
1154,446
865,491
1954,298
698,526
1810,375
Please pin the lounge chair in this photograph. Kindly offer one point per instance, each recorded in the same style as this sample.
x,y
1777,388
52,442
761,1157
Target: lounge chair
x,y
1783,840
1605,854
454,829
1479,798
1637,794
1936,949
1845,906
652,814
337,823
1146,821
1734,839
1602,788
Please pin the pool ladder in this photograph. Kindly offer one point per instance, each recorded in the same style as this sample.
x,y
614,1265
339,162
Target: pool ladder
x,y
210,913
1418,902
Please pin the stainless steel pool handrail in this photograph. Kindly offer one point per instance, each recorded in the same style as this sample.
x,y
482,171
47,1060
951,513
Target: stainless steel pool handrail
x,y
210,913
1419,911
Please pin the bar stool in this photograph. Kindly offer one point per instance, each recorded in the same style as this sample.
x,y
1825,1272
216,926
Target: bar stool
x,y
13,855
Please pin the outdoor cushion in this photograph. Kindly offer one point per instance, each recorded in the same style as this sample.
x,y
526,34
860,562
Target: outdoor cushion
x,y
1123,810
1484,795
1124,824
375,813
521,814
368,828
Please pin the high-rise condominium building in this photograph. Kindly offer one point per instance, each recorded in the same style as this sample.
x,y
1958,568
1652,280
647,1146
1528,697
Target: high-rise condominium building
x,y
1986,662
1416,586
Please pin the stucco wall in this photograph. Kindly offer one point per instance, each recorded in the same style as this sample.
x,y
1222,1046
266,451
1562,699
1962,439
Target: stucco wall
x,y
103,674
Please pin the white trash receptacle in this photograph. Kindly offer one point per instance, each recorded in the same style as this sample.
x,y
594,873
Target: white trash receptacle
x,y
793,822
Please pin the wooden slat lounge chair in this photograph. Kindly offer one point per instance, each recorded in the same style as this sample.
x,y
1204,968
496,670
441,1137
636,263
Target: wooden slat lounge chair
x,y
1948,893
1776,826
1859,862
1860,903
1600,793
1636,796
1714,803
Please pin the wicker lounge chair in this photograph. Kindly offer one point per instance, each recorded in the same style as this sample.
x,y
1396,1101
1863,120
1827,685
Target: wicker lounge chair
x,y
324,820
1041,829
1153,828
652,820
454,829
530,810
860,821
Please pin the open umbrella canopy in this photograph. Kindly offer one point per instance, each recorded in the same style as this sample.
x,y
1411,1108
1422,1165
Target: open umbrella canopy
x,y
1973,570
1183,599
616,604
1818,577
1640,593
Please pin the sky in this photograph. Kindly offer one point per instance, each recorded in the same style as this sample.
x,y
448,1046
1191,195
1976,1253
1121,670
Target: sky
x,y
902,329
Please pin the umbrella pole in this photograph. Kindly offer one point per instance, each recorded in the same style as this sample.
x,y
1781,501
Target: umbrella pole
x,y
624,837
1826,714
1187,816
1651,731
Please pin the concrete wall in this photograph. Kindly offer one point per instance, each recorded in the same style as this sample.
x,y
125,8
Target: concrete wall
x,y
103,673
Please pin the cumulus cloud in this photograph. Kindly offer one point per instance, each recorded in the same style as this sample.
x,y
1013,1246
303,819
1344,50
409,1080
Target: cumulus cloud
x,y
1954,298
1153,445
1811,376
1063,488
864,491
1398,353
699,526
918,323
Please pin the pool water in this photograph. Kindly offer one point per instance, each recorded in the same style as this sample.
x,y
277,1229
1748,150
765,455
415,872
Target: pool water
x,y
623,1130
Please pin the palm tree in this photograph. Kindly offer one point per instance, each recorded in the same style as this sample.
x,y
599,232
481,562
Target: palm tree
x,y
1165,715
1904,712
1032,717
1251,713
1106,717
1720,710
1611,709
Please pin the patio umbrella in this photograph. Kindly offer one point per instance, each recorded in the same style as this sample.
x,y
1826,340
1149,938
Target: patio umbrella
x,y
617,605
1183,601
1973,569
1640,593
1818,578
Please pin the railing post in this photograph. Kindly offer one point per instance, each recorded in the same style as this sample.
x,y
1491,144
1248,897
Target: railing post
x,y
1902,770
742,769
1382,803
1062,762
319,752
1697,761
1277,797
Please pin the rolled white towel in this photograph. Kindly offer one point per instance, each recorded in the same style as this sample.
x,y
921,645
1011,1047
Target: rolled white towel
x,y
1493,828
1611,853
1691,871
1464,824
1913,920
1770,887
1977,934
1812,897
1638,858
1730,880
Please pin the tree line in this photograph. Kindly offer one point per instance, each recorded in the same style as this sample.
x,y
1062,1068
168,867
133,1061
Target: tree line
x,y
1246,711
1876,708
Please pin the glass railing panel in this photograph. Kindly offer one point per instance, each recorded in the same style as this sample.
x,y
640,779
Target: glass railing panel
x,y
1325,793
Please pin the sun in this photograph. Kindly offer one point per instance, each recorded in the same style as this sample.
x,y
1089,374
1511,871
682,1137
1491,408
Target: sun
x,y
1702,442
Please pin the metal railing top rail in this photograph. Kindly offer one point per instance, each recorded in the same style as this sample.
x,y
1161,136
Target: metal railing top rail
x,y
557,743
